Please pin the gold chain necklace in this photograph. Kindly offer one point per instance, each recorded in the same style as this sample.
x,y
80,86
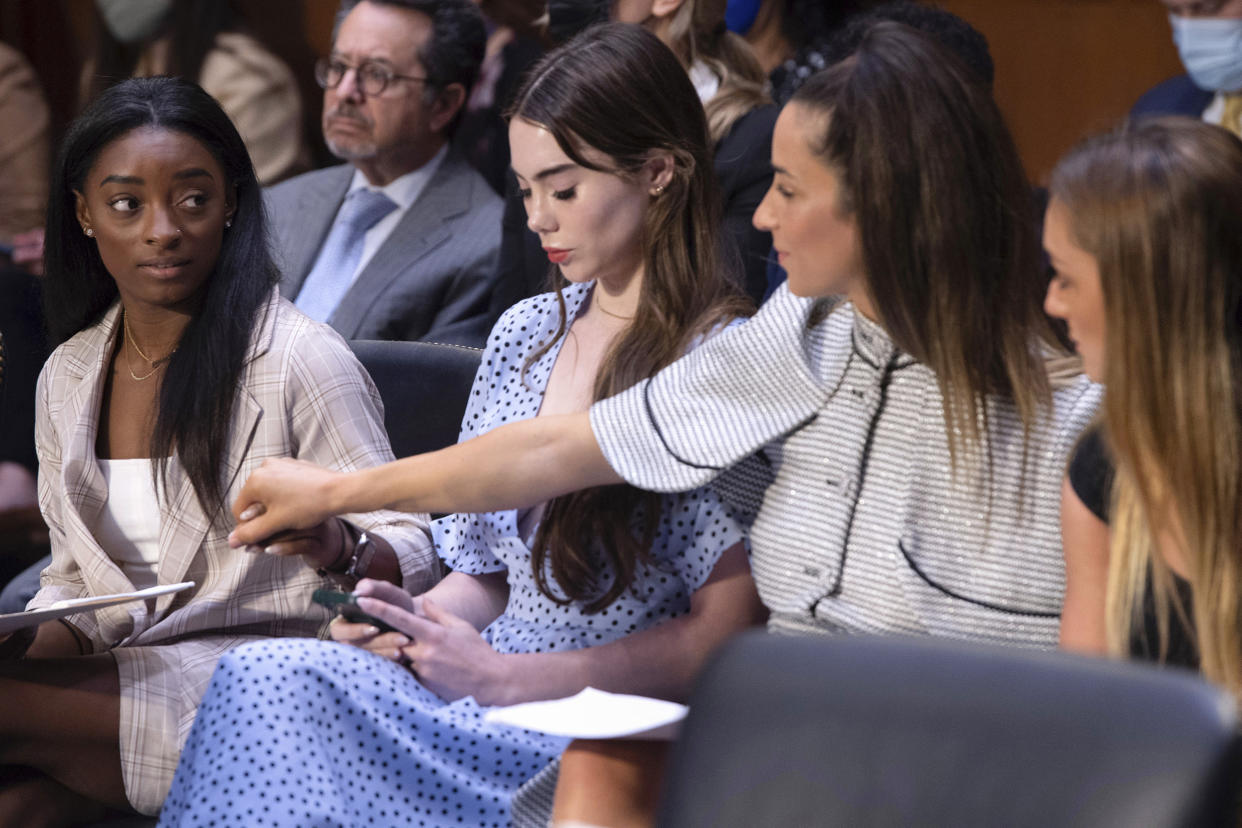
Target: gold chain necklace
x,y
129,339
610,313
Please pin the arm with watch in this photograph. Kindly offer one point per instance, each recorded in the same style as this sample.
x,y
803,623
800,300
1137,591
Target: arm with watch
x,y
335,419
339,551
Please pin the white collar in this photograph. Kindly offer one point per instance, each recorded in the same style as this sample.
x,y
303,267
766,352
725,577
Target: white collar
x,y
705,81
405,189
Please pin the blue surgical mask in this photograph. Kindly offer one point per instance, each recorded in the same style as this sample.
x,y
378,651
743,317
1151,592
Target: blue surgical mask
x,y
740,15
1211,50
134,21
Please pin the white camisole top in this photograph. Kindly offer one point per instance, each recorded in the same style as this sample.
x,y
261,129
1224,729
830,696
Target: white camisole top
x,y
128,527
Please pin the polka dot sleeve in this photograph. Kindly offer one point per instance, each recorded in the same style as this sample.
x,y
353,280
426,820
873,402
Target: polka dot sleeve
x,y
699,530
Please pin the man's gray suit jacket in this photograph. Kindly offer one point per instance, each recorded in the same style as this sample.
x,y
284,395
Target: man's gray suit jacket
x,y
430,280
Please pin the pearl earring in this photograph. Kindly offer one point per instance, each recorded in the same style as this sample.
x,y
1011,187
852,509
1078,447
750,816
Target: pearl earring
x,y
228,223
88,231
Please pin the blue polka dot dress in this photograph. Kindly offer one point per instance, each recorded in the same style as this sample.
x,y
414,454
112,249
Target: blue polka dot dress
x,y
297,732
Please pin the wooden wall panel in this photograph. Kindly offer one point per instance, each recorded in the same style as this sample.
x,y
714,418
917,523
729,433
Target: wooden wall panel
x,y
320,15
1065,68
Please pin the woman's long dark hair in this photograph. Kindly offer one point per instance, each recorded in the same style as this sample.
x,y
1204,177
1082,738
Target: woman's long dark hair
x,y
200,384
946,220
619,91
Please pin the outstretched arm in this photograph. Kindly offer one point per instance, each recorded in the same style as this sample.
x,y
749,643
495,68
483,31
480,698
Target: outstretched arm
x,y
513,466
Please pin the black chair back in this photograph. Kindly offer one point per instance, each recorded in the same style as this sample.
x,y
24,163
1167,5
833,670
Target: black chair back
x,y
862,731
424,385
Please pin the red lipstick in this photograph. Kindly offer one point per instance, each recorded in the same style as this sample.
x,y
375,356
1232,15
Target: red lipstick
x,y
556,255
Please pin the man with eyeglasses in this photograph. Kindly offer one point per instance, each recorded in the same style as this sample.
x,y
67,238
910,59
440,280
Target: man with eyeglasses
x,y
401,241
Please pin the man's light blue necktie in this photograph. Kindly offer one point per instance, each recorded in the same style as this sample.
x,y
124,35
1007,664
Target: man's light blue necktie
x,y
333,274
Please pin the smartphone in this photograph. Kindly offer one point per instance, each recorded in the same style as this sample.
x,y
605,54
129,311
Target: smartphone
x,y
346,605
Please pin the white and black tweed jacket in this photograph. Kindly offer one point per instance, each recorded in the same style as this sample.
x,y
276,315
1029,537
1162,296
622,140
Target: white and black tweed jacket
x,y
836,442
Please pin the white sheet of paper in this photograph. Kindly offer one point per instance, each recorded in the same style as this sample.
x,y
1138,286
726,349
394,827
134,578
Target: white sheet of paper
x,y
19,620
595,714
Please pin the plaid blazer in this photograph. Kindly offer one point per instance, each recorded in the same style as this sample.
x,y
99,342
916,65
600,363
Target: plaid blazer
x,y
302,395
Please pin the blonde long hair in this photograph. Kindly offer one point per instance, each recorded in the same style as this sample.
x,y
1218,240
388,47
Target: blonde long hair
x,y
1159,204
696,32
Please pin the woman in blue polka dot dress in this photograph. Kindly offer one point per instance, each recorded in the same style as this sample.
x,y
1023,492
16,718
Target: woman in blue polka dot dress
x,y
611,588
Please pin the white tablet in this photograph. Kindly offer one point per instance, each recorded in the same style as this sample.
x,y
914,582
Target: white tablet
x,y
19,620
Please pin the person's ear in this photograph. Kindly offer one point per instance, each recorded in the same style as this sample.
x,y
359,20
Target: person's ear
x,y
665,8
82,212
658,172
448,102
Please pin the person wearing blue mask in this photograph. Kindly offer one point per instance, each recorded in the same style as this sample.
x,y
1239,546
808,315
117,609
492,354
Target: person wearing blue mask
x,y
1208,34
789,36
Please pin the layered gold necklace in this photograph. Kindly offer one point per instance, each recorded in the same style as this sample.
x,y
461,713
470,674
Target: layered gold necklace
x,y
155,363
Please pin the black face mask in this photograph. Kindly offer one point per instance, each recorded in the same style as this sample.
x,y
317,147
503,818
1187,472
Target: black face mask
x,y
568,17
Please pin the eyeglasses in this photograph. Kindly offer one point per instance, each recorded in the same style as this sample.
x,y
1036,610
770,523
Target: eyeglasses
x,y
371,78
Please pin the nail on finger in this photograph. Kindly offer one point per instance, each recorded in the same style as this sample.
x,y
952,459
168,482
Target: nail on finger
x,y
252,511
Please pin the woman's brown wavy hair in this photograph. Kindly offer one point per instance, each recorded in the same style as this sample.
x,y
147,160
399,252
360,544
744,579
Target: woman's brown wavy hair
x,y
617,90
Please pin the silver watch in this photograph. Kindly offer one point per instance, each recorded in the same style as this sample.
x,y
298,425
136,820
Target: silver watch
x,y
360,561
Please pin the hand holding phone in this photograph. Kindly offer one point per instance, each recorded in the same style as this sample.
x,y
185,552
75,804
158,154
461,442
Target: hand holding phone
x,y
346,606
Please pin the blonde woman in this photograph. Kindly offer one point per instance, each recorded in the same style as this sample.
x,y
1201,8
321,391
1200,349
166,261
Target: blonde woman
x,y
1145,233
740,115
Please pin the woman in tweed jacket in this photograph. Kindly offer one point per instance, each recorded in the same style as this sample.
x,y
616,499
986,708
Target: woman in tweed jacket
x,y
902,442
181,369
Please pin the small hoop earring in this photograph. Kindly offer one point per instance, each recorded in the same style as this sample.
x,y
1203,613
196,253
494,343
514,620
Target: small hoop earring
x,y
88,231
